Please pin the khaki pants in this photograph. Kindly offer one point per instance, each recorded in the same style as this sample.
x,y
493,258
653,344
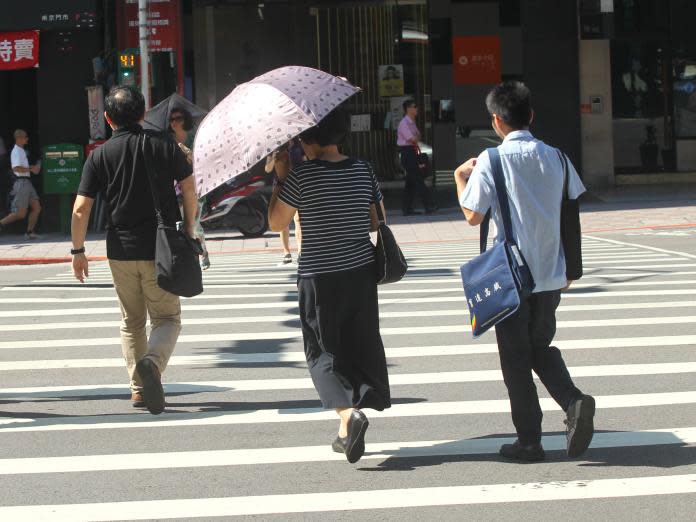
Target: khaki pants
x,y
139,296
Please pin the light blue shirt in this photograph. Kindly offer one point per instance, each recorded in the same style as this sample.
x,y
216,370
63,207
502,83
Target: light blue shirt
x,y
533,174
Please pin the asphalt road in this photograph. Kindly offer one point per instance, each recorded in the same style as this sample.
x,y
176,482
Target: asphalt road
x,y
244,433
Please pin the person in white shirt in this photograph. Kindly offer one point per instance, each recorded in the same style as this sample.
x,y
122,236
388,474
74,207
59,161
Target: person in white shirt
x,y
534,178
25,198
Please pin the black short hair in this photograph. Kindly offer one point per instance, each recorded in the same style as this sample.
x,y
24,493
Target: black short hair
x,y
125,106
512,102
332,130
188,119
408,103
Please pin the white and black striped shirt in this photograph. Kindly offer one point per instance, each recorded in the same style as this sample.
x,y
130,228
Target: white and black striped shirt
x,y
333,200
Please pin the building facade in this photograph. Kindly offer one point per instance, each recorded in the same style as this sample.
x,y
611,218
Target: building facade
x,y
613,81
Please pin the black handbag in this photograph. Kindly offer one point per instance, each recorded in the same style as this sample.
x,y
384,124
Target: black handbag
x,y
177,269
571,235
423,163
391,263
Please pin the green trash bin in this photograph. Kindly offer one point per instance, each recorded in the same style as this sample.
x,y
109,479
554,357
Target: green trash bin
x,y
61,171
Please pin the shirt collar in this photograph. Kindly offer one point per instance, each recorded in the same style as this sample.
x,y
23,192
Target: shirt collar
x,y
128,129
518,135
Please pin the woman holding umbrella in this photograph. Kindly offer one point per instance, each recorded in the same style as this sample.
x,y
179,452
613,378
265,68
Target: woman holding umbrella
x,y
335,196
181,127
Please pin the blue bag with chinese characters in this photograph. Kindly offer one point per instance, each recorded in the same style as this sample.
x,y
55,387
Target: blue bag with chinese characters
x,y
497,280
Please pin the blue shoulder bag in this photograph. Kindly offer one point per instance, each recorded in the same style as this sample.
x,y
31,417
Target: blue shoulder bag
x,y
497,280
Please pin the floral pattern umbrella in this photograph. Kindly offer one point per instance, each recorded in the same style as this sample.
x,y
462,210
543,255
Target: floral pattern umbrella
x,y
259,116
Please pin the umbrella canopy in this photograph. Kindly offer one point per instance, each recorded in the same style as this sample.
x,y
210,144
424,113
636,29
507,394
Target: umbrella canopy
x,y
157,118
258,117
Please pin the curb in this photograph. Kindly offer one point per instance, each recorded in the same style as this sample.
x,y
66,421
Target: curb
x,y
10,261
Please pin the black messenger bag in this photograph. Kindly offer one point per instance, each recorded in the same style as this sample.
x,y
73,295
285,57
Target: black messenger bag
x,y
177,269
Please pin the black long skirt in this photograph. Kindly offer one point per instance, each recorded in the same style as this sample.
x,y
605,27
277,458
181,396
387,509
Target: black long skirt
x,y
343,346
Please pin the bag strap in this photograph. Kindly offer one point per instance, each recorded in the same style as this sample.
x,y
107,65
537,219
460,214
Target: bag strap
x,y
564,161
149,169
483,238
378,206
501,191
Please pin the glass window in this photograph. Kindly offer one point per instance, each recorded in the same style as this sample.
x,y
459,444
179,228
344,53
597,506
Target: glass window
x,y
641,18
685,92
637,79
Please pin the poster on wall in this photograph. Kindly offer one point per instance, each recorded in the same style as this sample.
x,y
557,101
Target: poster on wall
x,y
476,60
162,21
95,108
19,50
391,80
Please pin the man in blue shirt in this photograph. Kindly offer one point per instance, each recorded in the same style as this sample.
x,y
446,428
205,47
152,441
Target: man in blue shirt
x,y
534,176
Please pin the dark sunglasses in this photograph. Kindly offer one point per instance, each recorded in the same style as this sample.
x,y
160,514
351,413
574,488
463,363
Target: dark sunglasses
x,y
176,118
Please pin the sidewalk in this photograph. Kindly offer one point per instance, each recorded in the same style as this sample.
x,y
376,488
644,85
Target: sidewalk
x,y
618,211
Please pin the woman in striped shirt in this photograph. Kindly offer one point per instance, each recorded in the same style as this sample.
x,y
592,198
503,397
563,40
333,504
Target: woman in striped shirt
x,y
335,197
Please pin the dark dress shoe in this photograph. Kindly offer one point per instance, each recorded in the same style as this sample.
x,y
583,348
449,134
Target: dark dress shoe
x,y
153,393
137,400
353,445
523,452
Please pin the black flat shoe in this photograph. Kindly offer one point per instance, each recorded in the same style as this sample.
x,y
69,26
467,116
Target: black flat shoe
x,y
523,452
353,445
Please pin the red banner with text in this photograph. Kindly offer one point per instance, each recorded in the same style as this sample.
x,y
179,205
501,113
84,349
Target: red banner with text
x,y
162,23
19,50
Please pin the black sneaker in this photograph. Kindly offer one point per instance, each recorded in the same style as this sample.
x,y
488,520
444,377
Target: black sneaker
x,y
579,425
523,452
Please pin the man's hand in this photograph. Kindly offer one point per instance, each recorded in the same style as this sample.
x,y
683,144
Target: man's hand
x,y
463,171
187,152
35,169
80,267
567,286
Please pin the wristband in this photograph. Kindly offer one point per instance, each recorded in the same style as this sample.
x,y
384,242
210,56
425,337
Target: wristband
x,y
75,251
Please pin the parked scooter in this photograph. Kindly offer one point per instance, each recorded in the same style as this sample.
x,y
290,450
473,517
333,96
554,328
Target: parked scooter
x,y
241,203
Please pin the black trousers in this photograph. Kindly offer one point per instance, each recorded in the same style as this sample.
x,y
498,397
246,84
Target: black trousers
x,y
524,345
415,184
339,313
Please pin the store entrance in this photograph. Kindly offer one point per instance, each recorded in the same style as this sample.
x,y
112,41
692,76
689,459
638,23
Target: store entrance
x,y
18,110
382,47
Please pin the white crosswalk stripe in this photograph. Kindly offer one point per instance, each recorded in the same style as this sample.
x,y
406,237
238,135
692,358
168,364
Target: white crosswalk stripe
x,y
242,409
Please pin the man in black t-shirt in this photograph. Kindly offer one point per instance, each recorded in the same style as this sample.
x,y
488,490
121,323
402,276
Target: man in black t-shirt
x,y
117,171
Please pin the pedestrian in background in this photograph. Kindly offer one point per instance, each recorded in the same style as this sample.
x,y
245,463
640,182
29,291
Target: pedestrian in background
x,y
181,127
24,195
337,281
117,170
534,177
407,138
295,157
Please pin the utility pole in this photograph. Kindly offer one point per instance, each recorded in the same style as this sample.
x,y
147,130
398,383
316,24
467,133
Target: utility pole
x,y
144,52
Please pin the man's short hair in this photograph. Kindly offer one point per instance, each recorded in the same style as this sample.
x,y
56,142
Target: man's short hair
x,y
512,102
408,103
20,133
125,106
332,130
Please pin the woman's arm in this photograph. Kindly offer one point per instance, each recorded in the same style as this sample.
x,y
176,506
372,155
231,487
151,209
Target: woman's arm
x,y
280,214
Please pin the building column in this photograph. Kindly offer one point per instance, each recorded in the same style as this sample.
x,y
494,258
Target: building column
x,y
597,137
